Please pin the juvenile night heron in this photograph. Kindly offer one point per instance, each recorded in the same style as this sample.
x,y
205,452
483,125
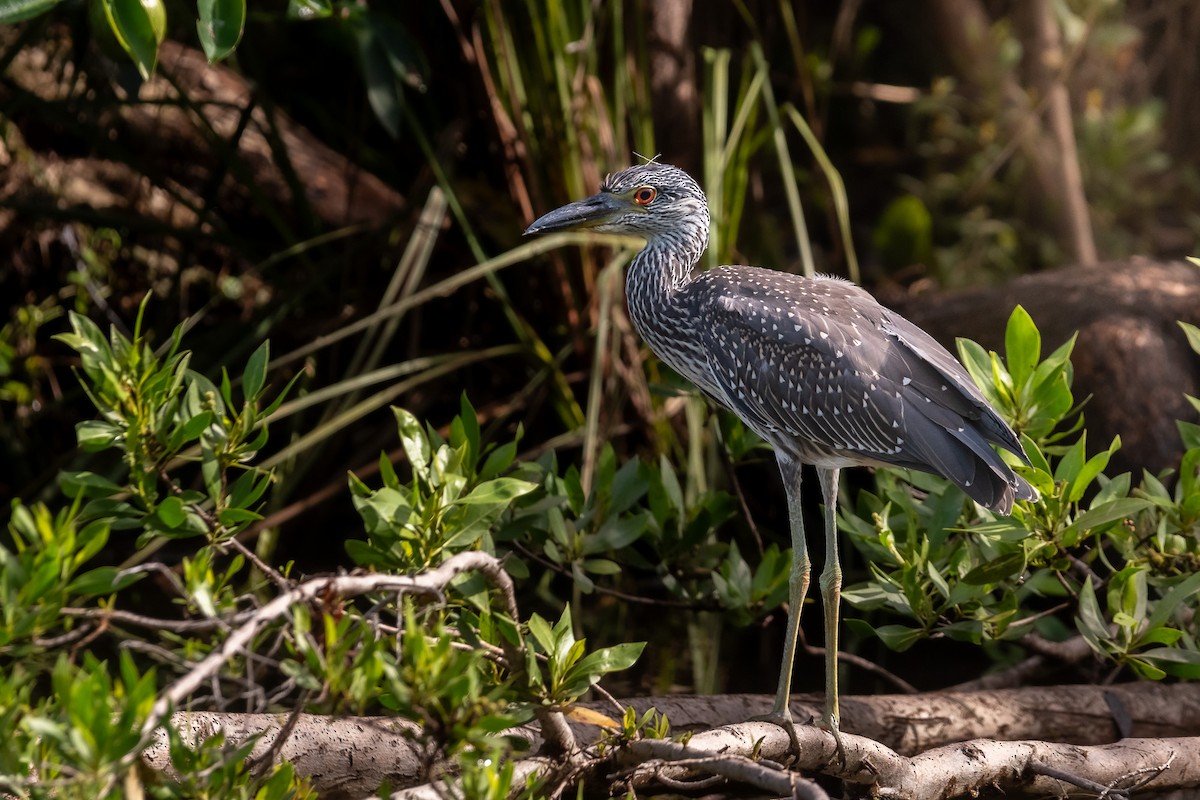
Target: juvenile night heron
x,y
815,366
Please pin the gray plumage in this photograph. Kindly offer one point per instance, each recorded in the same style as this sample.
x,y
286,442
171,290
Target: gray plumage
x,y
815,366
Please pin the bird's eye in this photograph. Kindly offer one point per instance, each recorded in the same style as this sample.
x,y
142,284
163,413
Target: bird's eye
x,y
645,195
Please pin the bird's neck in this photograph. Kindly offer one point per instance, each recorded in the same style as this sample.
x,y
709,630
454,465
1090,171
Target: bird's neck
x,y
662,268
661,307
652,290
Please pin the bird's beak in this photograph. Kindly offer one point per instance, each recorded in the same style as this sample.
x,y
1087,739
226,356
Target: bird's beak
x,y
596,210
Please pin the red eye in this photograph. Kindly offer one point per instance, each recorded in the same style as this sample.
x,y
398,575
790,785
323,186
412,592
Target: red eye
x,y
645,195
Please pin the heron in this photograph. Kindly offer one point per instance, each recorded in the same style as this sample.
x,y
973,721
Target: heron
x,y
815,366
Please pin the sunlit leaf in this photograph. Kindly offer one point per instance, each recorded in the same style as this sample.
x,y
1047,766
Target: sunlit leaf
x,y
500,490
254,376
1022,345
139,25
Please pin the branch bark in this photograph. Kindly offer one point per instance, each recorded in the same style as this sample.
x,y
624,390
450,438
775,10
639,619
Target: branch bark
x,y
351,757
951,771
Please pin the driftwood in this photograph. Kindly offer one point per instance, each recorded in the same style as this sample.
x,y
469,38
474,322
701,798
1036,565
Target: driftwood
x,y
1131,358
905,736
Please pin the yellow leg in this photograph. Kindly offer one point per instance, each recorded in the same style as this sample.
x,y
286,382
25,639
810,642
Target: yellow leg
x,y
797,586
831,597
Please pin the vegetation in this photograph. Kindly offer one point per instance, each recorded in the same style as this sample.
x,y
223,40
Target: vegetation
x,y
326,524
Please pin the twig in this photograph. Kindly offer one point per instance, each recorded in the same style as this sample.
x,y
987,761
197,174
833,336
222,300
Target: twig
x,y
633,598
1038,768
1150,772
731,474
143,621
270,572
608,698
860,662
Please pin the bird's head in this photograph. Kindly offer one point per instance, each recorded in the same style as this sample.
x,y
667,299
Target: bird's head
x,y
654,201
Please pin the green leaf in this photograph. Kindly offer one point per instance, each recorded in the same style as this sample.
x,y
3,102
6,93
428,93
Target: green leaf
x,y
628,486
194,427
1173,661
247,489
383,90
416,445
601,566
1163,636
1022,345
171,512
1072,461
1193,335
102,581
899,637
1090,621
498,460
470,427
86,484
132,22
540,629
617,532
1127,595
95,435
905,232
500,491
979,366
1145,669
997,569
589,669
18,10
1170,601
1090,469
232,517
364,554
670,483
220,27
1105,514
254,376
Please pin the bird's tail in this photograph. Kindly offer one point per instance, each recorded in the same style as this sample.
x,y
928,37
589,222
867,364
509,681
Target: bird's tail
x,y
963,453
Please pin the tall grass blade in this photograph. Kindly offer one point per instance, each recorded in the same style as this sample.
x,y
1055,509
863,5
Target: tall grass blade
x,y
787,168
841,203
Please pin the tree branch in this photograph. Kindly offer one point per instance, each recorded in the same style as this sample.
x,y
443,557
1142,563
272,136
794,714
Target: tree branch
x,y
350,757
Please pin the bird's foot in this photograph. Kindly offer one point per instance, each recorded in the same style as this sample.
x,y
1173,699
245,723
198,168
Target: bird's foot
x,y
784,720
829,722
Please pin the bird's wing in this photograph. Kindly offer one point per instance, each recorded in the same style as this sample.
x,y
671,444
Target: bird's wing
x,y
820,367
926,349
788,361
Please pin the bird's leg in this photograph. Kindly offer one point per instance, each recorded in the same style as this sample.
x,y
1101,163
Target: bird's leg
x,y
797,586
831,596
797,589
